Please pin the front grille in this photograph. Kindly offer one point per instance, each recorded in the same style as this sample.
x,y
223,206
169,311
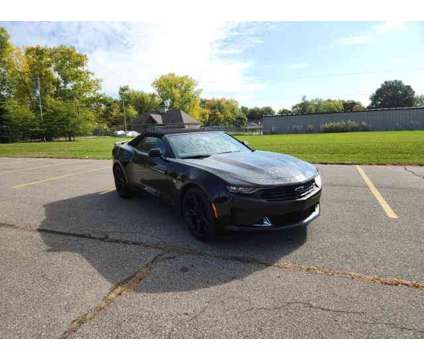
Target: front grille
x,y
288,192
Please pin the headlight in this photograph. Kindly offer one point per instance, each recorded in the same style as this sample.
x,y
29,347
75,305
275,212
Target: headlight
x,y
318,181
241,189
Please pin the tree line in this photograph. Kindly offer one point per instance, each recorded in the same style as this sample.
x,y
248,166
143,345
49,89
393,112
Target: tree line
x,y
48,93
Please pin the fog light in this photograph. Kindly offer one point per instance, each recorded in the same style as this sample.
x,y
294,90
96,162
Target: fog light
x,y
265,222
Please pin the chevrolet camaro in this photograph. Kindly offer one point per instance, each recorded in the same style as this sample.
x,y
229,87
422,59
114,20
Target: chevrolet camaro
x,y
217,182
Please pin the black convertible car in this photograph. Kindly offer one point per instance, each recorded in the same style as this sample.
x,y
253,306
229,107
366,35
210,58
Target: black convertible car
x,y
217,182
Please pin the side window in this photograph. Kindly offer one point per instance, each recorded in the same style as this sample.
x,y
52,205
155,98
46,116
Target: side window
x,y
147,143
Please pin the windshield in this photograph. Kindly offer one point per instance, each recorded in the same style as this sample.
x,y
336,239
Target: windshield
x,y
203,144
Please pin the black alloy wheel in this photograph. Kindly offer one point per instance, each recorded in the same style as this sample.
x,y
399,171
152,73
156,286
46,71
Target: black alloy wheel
x,y
121,184
197,214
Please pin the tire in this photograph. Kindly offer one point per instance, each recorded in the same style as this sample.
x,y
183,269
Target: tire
x,y
121,183
197,214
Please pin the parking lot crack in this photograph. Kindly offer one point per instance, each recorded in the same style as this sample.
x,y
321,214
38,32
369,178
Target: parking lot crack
x,y
199,313
129,284
413,172
303,304
375,279
179,250
189,320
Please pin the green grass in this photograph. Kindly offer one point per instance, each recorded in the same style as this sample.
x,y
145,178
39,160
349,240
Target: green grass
x,y
386,147
390,147
86,148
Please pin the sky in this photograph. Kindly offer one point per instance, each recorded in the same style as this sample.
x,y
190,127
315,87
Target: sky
x,y
256,63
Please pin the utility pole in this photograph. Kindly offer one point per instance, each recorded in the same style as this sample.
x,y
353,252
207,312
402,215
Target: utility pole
x,y
125,114
39,101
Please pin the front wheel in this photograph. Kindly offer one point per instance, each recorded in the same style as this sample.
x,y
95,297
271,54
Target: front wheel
x,y
121,183
198,216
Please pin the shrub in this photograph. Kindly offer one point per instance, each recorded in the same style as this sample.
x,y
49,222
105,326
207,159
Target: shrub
x,y
343,126
101,130
21,123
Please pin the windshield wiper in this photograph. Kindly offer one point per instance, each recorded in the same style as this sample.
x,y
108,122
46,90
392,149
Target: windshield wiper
x,y
227,152
195,156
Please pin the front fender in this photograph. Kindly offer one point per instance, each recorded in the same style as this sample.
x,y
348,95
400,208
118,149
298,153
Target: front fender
x,y
210,184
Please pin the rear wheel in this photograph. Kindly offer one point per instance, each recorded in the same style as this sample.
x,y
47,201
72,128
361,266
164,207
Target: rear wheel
x,y
198,216
121,183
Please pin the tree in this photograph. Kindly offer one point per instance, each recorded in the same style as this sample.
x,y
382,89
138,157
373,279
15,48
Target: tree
x,y
142,101
317,106
240,120
20,122
59,79
325,105
67,119
181,91
302,107
393,94
419,100
352,105
73,81
257,113
222,112
267,111
244,110
6,50
284,111
111,112
138,102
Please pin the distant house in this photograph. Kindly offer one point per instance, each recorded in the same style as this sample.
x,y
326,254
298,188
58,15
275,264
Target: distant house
x,y
171,118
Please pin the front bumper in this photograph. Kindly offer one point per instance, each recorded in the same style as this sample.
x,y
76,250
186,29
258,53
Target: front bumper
x,y
270,227
244,213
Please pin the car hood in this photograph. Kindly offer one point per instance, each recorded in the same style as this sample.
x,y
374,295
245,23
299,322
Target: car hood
x,y
260,168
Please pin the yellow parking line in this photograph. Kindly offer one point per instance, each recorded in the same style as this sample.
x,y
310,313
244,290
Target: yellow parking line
x,y
386,207
58,177
33,168
107,191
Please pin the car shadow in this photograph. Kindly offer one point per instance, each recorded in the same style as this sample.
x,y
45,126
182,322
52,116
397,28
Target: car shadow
x,y
149,221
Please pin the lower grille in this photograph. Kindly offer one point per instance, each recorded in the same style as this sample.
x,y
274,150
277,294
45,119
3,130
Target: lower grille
x,y
245,218
291,218
288,192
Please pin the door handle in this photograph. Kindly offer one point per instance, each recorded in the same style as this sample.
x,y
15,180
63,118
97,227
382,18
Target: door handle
x,y
160,169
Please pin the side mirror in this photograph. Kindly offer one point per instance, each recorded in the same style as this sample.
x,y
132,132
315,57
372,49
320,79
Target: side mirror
x,y
155,152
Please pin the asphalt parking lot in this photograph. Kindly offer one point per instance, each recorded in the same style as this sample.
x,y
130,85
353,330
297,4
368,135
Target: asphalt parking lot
x,y
78,261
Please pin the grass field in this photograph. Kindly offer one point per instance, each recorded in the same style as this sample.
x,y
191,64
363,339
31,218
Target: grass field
x,y
388,147
394,147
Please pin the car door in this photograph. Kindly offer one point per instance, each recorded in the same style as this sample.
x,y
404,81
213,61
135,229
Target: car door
x,y
152,173
135,166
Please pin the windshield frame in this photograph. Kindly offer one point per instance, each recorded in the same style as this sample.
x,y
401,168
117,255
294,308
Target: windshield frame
x,y
197,133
